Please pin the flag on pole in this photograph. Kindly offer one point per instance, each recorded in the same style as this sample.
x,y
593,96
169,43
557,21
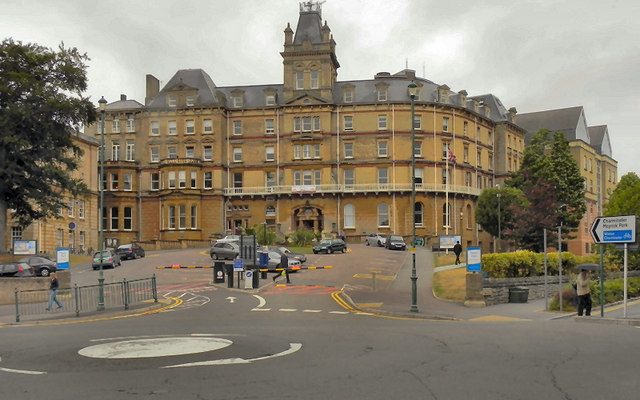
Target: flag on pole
x,y
452,157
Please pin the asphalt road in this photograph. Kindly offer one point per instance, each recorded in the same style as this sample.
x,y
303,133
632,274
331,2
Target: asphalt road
x,y
296,342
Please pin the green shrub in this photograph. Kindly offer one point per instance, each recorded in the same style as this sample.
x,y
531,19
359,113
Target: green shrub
x,y
302,237
613,292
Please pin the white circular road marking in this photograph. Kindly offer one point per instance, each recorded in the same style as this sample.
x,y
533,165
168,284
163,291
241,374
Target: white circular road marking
x,y
155,347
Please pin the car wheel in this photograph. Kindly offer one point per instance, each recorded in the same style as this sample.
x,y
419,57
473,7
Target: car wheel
x,y
329,251
367,243
344,250
315,252
214,256
44,272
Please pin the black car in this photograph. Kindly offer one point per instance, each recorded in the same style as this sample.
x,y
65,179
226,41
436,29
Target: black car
x,y
395,242
18,270
330,246
130,251
41,265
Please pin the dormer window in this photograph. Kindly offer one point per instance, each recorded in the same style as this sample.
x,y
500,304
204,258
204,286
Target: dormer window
x,y
238,101
190,101
382,94
171,101
348,96
270,100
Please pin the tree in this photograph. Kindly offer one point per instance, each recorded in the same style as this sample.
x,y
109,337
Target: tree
x,y
549,159
494,200
530,221
625,200
41,105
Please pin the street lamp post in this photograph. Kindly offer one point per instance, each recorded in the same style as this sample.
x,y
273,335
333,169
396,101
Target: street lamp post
x,y
499,222
413,91
103,107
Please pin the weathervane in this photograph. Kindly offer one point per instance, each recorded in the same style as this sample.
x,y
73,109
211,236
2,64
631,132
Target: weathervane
x,y
310,6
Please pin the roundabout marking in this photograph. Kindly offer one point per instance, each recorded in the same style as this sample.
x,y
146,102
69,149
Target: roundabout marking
x,y
293,347
155,347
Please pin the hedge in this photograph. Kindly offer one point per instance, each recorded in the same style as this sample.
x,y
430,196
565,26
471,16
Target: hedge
x,y
613,292
525,263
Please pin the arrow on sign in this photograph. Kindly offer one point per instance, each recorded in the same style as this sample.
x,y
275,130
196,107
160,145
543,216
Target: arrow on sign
x,y
594,230
231,299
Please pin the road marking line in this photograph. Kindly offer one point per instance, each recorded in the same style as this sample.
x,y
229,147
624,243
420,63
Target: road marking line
x,y
340,312
378,277
370,305
288,309
312,311
21,371
260,309
497,318
293,347
261,300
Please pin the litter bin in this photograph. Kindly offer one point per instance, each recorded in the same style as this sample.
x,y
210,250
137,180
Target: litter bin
x,y
229,271
518,294
218,272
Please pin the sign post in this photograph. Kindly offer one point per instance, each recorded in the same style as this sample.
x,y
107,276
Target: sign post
x,y
238,266
610,230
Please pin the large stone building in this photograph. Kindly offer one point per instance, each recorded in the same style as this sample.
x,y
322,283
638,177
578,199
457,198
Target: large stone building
x,y
76,226
199,160
591,149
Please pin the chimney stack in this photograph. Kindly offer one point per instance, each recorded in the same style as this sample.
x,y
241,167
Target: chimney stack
x,y
123,97
153,88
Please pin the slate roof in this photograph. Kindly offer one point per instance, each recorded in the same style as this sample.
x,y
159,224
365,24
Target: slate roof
x,y
124,105
599,136
563,119
194,78
309,26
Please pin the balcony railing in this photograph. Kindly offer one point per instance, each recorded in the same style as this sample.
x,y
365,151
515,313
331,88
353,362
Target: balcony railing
x,y
350,188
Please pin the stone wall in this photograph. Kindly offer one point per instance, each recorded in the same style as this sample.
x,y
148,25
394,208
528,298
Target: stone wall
x,y
9,285
496,290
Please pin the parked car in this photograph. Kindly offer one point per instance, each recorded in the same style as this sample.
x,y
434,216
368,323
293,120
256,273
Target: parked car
x,y
17,270
108,258
283,250
395,242
224,250
330,246
41,265
229,239
375,239
130,251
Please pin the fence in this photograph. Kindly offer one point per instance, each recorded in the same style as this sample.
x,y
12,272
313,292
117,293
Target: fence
x,y
87,298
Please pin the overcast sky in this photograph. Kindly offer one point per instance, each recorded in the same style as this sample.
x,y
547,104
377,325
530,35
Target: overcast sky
x,y
533,55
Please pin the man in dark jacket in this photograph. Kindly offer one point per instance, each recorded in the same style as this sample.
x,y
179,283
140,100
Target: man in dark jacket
x,y
53,291
457,250
284,264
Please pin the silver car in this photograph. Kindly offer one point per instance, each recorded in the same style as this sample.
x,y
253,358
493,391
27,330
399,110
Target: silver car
x,y
275,258
224,251
376,239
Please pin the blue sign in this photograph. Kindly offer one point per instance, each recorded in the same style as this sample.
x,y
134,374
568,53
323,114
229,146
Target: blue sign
x,y
62,258
619,229
474,259
618,236
238,265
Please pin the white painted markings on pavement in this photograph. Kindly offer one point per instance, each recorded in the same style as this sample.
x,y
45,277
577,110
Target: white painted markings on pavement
x,y
155,347
21,371
293,347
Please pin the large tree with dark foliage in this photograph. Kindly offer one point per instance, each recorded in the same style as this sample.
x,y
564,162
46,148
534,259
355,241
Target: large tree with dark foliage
x,y
625,200
41,105
495,209
548,162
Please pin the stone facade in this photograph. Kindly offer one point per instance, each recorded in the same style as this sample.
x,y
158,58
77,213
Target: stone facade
x,y
313,152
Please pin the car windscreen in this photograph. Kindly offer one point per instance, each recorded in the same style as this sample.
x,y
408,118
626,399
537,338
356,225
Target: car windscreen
x,y
105,254
396,239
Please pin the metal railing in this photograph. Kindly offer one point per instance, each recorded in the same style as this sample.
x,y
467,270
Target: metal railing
x,y
83,299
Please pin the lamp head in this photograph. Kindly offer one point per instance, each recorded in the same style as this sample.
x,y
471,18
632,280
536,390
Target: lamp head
x,y
413,90
102,104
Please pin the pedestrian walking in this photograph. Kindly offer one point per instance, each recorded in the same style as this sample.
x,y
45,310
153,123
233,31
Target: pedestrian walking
x,y
53,291
284,264
583,288
457,250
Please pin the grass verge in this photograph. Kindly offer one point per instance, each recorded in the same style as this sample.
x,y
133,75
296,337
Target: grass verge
x,y
451,284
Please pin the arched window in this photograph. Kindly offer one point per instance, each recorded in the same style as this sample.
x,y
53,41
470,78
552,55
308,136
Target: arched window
x,y
446,221
349,216
383,215
418,214
469,216
270,211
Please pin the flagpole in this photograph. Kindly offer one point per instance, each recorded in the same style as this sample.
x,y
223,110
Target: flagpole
x,y
446,192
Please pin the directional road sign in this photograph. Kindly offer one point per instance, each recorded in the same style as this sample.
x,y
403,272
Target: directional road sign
x,y
620,229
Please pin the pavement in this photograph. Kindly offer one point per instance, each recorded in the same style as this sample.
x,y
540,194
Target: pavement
x,y
394,299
